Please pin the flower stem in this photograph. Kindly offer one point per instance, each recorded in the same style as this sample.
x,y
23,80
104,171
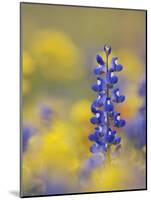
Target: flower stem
x,y
107,90
108,120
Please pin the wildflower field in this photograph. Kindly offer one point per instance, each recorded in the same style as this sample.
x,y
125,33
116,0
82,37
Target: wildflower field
x,y
83,99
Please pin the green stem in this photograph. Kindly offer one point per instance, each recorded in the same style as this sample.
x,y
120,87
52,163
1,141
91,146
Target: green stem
x,y
107,90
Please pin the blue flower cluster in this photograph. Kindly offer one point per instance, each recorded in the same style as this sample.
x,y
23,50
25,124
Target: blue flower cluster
x,y
95,161
105,117
29,130
136,127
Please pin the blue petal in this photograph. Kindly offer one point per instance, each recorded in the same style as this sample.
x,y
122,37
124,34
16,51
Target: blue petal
x,y
109,136
115,66
99,60
98,88
98,132
113,132
93,108
119,99
120,123
108,107
101,118
119,67
98,102
94,120
92,137
95,87
113,79
99,70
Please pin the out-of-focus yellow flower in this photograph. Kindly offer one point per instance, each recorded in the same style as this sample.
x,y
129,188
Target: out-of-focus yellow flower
x,y
26,86
80,111
130,106
28,68
51,152
124,172
56,55
110,178
28,63
133,66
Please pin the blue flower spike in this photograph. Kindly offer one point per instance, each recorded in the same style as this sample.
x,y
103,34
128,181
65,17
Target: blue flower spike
x,y
135,129
105,117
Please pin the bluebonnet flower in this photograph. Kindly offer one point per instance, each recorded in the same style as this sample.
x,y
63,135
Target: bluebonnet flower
x,y
115,65
108,105
99,86
117,98
118,121
98,118
101,66
111,137
100,100
104,135
136,127
111,78
97,135
100,60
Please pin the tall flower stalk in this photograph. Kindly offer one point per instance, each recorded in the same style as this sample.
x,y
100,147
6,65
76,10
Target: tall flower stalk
x,y
105,118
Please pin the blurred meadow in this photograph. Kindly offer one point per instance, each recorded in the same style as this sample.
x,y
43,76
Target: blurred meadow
x,y
59,45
